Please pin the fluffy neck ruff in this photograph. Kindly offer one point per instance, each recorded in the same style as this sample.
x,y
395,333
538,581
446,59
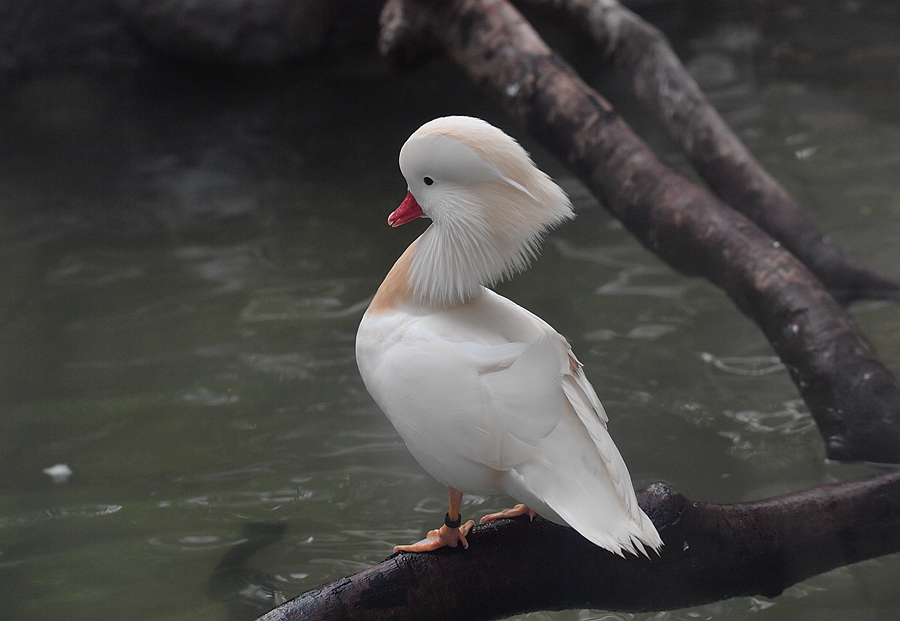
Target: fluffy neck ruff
x,y
469,247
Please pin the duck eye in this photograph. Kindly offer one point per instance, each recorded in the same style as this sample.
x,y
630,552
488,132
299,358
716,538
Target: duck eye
x,y
428,180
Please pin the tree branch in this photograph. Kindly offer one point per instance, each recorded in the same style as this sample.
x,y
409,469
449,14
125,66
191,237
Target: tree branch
x,y
711,552
642,56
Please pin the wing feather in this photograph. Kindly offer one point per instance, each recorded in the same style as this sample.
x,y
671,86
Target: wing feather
x,y
587,406
574,472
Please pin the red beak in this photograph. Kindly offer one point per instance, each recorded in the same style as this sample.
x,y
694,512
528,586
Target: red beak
x,y
408,211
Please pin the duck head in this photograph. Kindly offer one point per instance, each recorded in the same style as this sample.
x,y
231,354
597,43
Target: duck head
x,y
489,205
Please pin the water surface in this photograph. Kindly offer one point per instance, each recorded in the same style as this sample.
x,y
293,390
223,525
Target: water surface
x,y
186,254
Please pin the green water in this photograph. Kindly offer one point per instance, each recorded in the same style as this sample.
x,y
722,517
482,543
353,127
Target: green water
x,y
185,255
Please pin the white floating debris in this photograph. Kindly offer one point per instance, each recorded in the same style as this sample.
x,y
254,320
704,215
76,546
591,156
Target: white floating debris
x,y
60,473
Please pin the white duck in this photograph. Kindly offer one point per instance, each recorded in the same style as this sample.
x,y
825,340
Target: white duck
x,y
486,395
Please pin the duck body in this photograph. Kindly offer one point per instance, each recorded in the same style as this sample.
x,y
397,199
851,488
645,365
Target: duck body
x,y
452,368
486,395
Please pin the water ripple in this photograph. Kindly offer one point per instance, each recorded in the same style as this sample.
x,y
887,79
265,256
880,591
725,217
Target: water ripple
x,y
323,299
83,511
632,278
230,268
631,282
360,449
205,396
793,418
193,541
297,365
92,271
744,365
266,499
239,474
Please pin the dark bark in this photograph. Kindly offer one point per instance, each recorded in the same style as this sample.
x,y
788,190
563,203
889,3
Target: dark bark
x,y
854,399
660,82
711,552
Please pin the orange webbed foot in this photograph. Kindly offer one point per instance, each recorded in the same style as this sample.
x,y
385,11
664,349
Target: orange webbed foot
x,y
440,538
509,513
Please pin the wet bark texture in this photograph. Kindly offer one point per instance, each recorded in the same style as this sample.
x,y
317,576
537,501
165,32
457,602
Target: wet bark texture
x,y
711,552
854,399
643,57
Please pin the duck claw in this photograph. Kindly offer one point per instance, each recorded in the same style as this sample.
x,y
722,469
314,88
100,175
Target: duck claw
x,y
443,537
509,513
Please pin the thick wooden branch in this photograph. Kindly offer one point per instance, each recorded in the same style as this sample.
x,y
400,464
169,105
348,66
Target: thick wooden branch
x,y
711,552
854,399
660,82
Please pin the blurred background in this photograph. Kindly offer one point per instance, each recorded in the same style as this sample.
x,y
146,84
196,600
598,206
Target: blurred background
x,y
193,219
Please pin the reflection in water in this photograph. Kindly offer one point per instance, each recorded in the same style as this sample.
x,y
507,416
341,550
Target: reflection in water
x,y
247,593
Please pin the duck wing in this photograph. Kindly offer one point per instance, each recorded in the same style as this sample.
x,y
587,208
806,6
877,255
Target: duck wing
x,y
573,471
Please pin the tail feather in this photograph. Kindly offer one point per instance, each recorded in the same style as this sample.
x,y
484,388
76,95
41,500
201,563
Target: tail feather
x,y
575,489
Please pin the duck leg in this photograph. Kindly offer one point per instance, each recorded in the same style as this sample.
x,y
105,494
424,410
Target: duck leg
x,y
451,534
509,513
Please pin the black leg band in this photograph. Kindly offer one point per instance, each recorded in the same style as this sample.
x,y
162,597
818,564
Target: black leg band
x,y
452,523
